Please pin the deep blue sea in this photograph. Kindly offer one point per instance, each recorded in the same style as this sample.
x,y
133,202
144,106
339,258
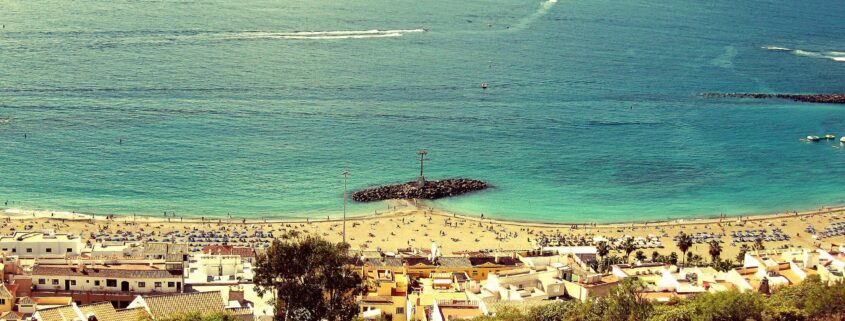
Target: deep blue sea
x,y
254,108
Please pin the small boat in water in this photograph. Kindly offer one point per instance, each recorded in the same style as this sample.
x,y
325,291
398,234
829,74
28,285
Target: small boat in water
x,y
813,138
830,136
484,85
842,140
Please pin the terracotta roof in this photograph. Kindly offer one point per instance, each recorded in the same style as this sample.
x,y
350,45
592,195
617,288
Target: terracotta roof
x,y
454,262
375,299
104,311
161,306
131,314
5,293
412,261
386,262
26,301
144,272
165,248
228,250
62,313
10,316
490,260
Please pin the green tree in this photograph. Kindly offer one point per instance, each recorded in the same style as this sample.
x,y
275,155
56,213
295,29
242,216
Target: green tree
x,y
715,251
640,256
684,243
655,256
628,246
758,244
673,258
602,249
723,265
729,306
740,257
624,303
814,298
309,278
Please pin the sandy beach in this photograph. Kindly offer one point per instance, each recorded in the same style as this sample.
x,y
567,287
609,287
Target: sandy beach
x,y
417,226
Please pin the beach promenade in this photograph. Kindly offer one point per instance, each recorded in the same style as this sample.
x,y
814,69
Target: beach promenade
x,y
417,226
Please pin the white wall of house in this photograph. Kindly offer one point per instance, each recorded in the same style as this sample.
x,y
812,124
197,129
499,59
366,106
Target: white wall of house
x,y
41,245
206,268
101,284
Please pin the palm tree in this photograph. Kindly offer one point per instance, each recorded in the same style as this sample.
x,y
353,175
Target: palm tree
x,y
740,257
758,244
715,250
628,246
602,249
684,243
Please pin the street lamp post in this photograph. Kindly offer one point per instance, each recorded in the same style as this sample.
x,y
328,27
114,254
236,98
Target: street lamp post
x,y
345,179
422,153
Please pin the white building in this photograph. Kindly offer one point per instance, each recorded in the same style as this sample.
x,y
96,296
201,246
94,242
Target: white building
x,y
524,284
206,268
107,278
831,266
38,244
116,249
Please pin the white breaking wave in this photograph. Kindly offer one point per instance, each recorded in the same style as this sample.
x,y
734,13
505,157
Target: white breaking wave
x,y
261,35
307,35
832,55
542,10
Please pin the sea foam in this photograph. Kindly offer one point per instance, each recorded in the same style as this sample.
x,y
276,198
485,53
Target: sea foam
x,y
832,55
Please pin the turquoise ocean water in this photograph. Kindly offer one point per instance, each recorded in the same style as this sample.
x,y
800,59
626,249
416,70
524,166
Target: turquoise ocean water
x,y
255,107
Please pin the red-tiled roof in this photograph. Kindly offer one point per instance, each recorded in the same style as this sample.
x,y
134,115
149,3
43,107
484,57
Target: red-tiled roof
x,y
134,272
228,250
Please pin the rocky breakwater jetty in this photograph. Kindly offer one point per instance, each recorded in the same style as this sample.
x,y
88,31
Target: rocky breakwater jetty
x,y
431,190
811,98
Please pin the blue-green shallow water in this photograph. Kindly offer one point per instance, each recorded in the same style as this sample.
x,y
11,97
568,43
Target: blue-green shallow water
x,y
591,114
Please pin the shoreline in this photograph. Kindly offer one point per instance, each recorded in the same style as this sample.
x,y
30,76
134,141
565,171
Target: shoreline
x,y
406,207
418,226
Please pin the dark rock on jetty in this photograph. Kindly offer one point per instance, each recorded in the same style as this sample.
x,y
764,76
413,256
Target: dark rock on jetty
x,y
815,98
409,190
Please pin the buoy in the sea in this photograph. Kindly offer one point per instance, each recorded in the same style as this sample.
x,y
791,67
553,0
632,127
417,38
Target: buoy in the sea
x,y
484,85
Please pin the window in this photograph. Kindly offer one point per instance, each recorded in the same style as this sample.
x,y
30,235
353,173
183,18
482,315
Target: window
x,y
142,284
14,250
170,284
42,281
111,283
158,284
49,250
72,282
96,282
400,310
28,250
5,249
69,250
2,301
55,281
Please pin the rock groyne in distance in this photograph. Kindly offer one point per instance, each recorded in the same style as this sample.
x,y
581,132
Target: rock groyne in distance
x,y
410,190
812,98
